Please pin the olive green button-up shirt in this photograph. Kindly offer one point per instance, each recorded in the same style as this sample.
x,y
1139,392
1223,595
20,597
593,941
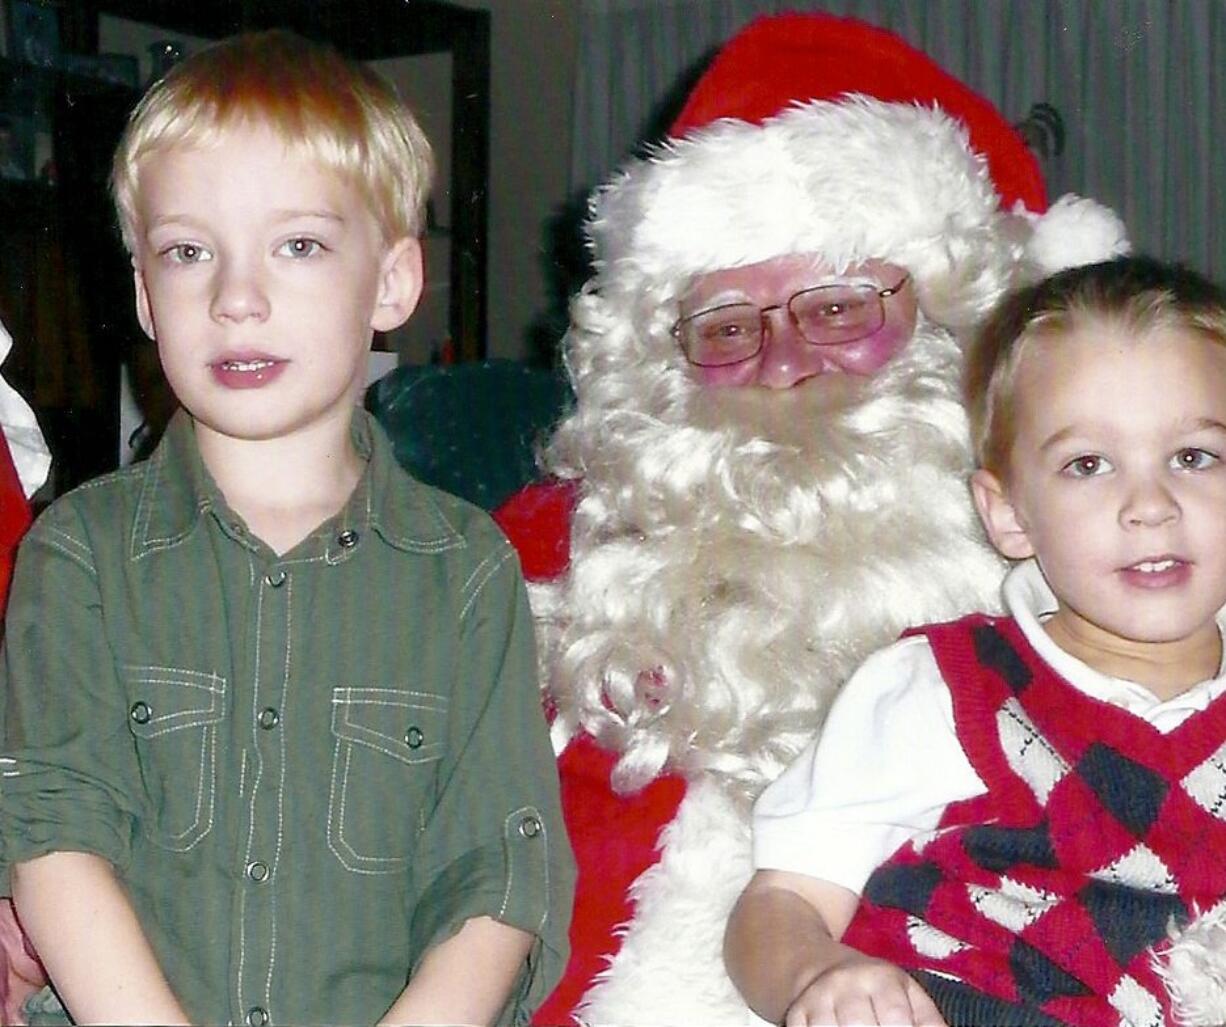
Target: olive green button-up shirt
x,y
306,769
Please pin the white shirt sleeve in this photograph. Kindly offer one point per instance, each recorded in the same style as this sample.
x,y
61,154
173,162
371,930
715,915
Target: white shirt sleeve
x,y
883,769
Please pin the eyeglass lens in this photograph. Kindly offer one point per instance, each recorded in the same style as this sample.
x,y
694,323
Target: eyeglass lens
x,y
829,315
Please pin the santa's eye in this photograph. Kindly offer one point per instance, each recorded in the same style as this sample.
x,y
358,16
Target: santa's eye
x,y
727,330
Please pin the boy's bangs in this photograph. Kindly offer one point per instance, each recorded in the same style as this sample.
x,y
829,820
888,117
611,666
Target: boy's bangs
x,y
341,116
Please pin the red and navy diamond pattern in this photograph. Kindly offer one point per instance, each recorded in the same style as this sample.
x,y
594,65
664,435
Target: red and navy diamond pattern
x,y
1049,895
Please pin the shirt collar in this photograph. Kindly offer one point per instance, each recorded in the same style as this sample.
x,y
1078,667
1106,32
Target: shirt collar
x,y
1030,601
177,492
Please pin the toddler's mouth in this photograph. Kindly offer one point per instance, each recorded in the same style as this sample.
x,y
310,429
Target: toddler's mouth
x,y
1156,566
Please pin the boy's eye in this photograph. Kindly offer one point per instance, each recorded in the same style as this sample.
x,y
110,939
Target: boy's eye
x,y
1193,459
186,253
1087,466
301,247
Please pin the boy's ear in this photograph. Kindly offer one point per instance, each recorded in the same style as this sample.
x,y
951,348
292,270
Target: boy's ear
x,y
999,516
400,285
143,313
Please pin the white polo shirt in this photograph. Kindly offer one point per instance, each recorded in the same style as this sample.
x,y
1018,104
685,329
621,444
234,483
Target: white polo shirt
x,y
888,760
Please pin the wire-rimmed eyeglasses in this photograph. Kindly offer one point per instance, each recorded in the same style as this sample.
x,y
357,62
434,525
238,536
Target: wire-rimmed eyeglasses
x,y
826,315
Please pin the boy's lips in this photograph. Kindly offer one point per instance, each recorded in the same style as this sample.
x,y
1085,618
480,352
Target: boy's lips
x,y
246,370
1157,571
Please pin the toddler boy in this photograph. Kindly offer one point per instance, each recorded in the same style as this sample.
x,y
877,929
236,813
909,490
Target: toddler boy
x,y
1004,816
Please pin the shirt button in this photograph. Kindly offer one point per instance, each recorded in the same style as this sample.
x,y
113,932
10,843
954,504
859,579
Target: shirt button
x,y
414,737
140,713
530,827
268,718
275,579
257,870
347,539
257,1016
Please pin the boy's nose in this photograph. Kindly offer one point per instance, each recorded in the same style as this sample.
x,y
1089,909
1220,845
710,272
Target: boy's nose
x,y
1149,504
787,357
239,296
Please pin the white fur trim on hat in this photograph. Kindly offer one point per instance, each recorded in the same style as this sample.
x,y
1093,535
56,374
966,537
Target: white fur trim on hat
x,y
848,180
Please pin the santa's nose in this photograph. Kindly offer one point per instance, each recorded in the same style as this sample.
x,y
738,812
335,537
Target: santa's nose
x,y
788,358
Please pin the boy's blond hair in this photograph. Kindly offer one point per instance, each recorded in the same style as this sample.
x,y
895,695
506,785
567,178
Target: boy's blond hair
x,y
1135,296
333,110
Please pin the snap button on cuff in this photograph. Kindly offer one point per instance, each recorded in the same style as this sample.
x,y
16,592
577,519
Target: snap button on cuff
x,y
140,713
530,827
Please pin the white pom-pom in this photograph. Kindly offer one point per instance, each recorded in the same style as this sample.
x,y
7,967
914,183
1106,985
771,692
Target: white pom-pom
x,y
1075,231
1193,968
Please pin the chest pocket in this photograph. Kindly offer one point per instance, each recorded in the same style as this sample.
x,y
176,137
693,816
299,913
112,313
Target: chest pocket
x,y
387,747
174,717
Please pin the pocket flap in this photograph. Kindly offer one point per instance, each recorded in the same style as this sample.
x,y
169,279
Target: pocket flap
x,y
408,726
170,699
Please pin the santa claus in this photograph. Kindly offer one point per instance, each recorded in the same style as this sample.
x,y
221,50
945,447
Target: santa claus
x,y
764,476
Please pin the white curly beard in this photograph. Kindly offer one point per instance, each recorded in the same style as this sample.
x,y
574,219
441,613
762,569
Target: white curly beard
x,y
736,554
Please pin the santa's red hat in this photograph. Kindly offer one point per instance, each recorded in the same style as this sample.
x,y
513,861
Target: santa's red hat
x,y
812,133
775,62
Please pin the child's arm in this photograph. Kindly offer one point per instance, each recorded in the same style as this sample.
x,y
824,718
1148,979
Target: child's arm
x,y
86,932
782,951
492,872
446,989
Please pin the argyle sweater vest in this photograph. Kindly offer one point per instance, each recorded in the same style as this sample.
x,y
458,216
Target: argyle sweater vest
x,y
1045,895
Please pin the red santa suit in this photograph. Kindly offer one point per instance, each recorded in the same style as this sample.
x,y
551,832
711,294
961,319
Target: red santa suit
x,y
717,561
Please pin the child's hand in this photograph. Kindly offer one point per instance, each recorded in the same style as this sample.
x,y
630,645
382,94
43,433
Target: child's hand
x,y
860,990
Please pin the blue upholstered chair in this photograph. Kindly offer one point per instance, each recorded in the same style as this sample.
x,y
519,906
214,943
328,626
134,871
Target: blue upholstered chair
x,y
470,429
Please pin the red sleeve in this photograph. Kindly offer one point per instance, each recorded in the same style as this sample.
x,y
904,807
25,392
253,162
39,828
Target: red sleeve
x,y
537,521
14,516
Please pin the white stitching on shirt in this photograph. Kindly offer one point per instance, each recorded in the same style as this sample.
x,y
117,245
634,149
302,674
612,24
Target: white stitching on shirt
x,y
507,554
73,556
276,859
434,702
255,787
543,838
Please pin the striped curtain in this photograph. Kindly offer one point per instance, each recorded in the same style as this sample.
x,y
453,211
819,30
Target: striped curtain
x,y
1137,85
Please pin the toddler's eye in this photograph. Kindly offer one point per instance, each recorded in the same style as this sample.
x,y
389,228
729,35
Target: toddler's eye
x,y
301,247
186,253
1193,459
1088,466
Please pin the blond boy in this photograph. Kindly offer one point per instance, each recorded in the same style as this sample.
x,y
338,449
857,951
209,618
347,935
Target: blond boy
x,y
272,746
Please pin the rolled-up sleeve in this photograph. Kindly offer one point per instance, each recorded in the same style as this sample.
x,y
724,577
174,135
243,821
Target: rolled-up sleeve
x,y
67,764
495,844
